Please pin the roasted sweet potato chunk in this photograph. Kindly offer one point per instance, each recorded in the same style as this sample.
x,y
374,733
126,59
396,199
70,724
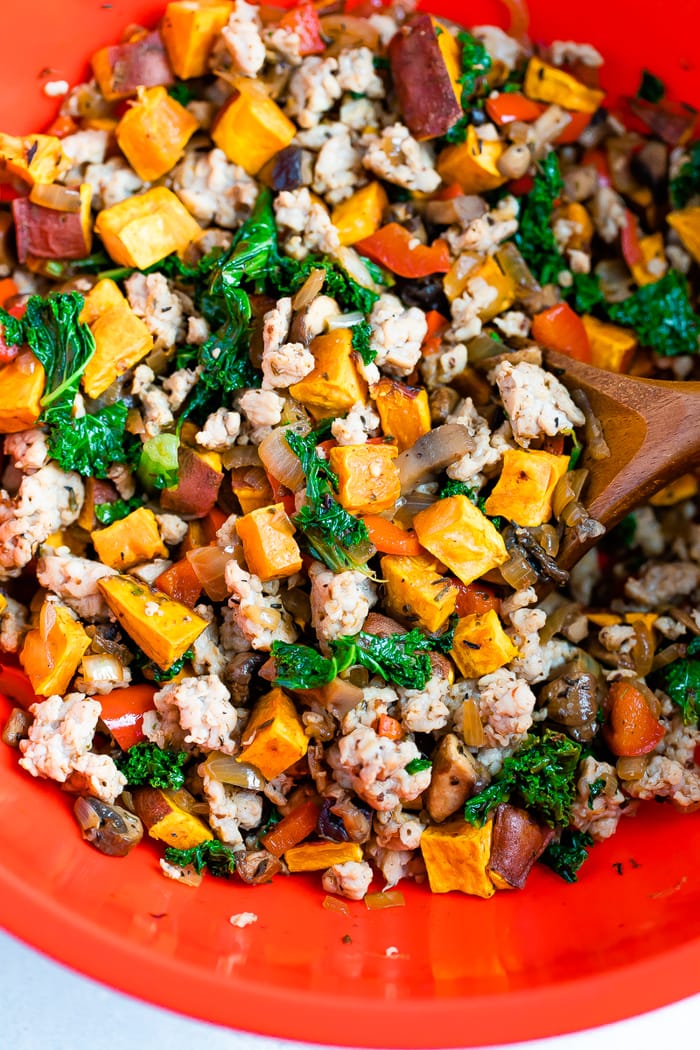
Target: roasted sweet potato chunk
x,y
425,88
518,840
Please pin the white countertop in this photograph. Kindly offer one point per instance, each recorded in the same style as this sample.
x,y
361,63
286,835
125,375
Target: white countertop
x,y
47,1007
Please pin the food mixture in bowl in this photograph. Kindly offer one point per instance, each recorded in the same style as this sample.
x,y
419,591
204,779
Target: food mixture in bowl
x,y
285,477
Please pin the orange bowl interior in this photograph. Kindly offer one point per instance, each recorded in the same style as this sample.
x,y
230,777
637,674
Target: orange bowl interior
x,y
551,959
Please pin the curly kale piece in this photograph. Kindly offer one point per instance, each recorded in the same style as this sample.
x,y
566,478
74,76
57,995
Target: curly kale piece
x,y
568,855
535,237
687,182
317,471
147,764
288,276
661,315
301,667
106,513
457,488
361,335
212,855
540,776
681,680
476,63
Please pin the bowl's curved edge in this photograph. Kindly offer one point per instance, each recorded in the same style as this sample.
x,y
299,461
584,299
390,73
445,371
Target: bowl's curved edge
x,y
612,995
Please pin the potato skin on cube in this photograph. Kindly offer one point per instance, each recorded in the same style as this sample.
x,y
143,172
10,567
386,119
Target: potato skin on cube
x,y
317,856
130,540
153,133
456,857
523,492
121,338
161,626
168,822
404,411
425,89
22,383
460,536
251,128
274,738
267,535
121,69
481,645
189,29
334,385
46,233
52,651
142,230
368,478
416,591
517,841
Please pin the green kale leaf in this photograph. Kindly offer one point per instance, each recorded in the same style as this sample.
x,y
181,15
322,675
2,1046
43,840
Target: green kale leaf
x,y
661,315
212,855
289,275
686,184
361,335
566,856
535,237
457,488
541,776
147,764
681,680
417,765
106,513
651,88
91,443
301,667
476,63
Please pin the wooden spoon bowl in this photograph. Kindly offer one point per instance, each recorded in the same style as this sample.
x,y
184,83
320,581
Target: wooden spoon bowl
x,y
652,428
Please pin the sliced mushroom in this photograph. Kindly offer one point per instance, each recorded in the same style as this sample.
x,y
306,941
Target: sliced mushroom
x,y
241,673
382,626
455,777
573,699
257,866
110,829
355,817
517,841
431,453
16,727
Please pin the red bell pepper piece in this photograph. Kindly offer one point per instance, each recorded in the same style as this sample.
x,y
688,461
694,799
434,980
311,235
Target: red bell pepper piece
x,y
448,193
578,123
16,687
388,727
436,326
281,494
123,711
475,598
506,107
292,829
629,242
180,582
391,539
631,728
559,328
304,21
522,186
392,246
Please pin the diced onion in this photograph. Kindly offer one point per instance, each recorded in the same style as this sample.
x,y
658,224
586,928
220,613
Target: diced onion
x,y
596,445
388,899
518,573
345,320
355,268
643,649
279,460
472,726
548,539
309,289
632,768
333,904
240,456
557,620
227,770
102,668
209,564
348,31
56,197
567,490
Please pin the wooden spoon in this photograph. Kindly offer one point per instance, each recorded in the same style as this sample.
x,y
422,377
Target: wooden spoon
x,y
652,428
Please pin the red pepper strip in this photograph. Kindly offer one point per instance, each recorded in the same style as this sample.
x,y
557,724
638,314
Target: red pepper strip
x,y
123,711
436,325
9,193
554,444
391,246
16,687
292,829
475,598
631,728
180,582
521,187
304,21
505,108
559,328
448,193
578,123
629,242
391,539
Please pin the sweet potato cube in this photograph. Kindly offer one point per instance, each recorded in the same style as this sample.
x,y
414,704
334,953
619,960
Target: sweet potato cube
x,y
686,223
517,841
481,645
612,347
317,856
162,627
416,57
360,215
22,384
121,338
368,478
274,738
130,540
682,488
251,128
267,535
46,233
36,159
167,821
335,384
416,592
53,650
653,264
403,410
153,133
461,537
142,230
523,492
456,857
189,29
472,164
581,226
251,488
198,484
123,68
545,83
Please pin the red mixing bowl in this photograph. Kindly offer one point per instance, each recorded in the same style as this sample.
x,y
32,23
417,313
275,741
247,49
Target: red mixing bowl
x,y
551,959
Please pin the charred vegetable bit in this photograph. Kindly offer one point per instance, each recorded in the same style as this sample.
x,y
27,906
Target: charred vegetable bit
x,y
567,856
147,764
211,855
541,776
